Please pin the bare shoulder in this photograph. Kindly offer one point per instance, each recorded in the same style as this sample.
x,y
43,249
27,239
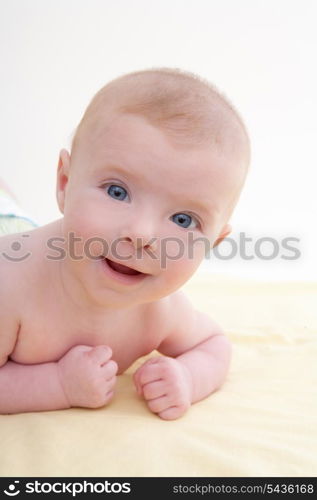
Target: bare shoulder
x,y
155,318
15,257
21,255
9,292
187,327
19,276
8,268
169,312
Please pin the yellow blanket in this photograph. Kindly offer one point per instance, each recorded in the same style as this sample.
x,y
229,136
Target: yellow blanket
x,y
262,422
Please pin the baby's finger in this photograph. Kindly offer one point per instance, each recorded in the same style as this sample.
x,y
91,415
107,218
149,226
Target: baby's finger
x,y
108,396
171,413
111,383
140,377
109,369
159,404
150,373
154,390
100,353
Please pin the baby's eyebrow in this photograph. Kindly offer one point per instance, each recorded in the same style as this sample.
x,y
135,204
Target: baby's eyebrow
x,y
119,170
207,209
204,207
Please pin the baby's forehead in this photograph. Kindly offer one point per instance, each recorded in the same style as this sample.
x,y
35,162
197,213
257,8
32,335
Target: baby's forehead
x,y
224,138
134,150
133,146
189,109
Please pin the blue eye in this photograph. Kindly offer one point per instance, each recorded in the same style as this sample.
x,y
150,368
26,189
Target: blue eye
x,y
184,220
117,192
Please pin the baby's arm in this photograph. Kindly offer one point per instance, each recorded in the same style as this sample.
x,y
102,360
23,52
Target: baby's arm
x,y
196,363
25,388
84,376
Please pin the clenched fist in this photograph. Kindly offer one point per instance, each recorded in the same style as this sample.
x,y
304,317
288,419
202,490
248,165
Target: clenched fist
x,y
165,385
88,375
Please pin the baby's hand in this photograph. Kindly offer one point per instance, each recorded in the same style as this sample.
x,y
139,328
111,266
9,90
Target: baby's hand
x,y
165,385
88,375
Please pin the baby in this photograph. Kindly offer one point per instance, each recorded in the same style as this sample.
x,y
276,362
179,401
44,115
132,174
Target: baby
x,y
155,170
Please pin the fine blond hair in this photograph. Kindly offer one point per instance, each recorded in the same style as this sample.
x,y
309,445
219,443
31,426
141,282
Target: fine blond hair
x,y
183,104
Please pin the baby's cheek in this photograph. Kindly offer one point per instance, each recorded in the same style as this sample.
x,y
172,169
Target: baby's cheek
x,y
178,272
85,232
180,257
198,247
189,249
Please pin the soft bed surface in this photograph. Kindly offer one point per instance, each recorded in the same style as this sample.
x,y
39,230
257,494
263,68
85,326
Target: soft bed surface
x,y
262,422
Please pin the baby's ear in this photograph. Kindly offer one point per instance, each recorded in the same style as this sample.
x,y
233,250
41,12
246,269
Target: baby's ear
x,y
226,230
62,178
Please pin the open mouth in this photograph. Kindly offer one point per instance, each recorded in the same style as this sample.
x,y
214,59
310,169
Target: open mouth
x,y
120,268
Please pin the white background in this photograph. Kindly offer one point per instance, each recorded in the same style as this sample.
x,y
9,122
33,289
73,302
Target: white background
x,y
262,54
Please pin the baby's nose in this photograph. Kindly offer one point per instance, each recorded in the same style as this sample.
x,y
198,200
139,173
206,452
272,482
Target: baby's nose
x,y
140,242
140,235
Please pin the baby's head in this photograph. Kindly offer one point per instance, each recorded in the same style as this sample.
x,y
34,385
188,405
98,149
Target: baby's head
x,y
159,155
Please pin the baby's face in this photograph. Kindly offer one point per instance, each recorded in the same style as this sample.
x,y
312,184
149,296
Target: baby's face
x,y
135,196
